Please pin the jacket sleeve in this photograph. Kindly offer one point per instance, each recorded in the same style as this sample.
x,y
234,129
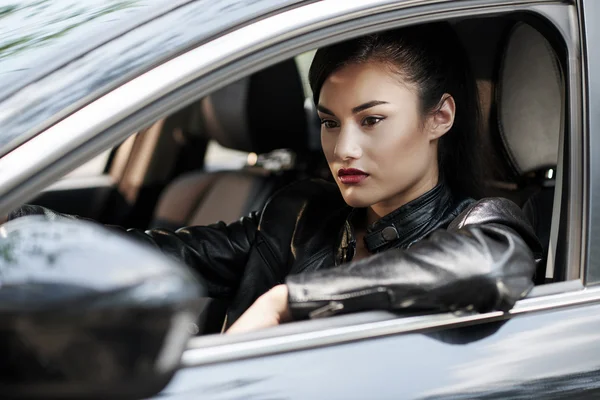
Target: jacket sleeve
x,y
484,261
217,252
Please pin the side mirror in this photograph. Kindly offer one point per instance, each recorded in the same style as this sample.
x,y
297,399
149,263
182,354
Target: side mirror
x,y
89,313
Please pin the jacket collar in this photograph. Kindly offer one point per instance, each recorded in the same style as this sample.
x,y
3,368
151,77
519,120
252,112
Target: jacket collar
x,y
400,228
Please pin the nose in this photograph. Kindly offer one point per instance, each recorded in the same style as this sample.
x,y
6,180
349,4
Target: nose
x,y
347,146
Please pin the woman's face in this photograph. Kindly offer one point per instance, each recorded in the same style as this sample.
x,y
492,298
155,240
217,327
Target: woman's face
x,y
380,148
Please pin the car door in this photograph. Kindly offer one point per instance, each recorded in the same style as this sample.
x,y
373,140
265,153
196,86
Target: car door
x,y
536,353
544,348
545,344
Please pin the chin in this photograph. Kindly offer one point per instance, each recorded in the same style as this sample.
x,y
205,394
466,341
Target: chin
x,y
354,198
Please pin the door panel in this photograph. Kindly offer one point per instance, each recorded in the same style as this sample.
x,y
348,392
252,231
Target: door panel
x,y
550,355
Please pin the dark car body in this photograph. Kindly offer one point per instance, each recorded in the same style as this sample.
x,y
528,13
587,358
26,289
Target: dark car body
x,y
75,88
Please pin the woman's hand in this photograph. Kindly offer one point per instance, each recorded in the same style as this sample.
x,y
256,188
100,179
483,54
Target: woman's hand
x,y
268,310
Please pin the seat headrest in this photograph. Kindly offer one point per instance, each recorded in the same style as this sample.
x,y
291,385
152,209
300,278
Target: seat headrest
x,y
260,113
530,100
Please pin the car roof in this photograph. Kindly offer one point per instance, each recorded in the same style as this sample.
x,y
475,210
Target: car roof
x,y
39,36
56,55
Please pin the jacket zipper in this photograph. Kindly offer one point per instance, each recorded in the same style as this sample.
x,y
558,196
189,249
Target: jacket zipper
x,y
327,310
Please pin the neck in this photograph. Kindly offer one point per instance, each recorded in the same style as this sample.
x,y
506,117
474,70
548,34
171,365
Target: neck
x,y
383,208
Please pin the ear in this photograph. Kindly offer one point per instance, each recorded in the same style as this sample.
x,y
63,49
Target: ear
x,y
442,119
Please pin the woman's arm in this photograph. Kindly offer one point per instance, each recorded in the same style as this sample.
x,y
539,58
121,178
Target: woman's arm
x,y
483,261
218,252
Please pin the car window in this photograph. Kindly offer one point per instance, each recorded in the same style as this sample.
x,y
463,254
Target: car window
x,y
220,158
528,179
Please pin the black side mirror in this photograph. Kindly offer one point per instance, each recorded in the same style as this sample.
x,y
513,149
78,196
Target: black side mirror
x,y
86,312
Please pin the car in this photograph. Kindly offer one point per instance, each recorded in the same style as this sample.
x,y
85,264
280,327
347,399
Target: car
x,y
107,110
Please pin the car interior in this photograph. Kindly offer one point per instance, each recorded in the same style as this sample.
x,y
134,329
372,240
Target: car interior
x,y
175,172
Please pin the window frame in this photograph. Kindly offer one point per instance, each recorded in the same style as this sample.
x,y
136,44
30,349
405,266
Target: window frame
x,y
587,11
176,83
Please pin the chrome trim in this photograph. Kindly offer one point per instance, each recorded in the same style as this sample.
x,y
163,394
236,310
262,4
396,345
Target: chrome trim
x,y
585,132
198,354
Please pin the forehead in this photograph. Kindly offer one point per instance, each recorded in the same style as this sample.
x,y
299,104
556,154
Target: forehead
x,y
362,82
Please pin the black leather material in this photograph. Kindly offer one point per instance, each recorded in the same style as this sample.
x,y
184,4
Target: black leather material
x,y
481,259
410,222
484,259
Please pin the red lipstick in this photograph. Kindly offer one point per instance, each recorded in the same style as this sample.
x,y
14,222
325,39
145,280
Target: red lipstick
x,y
351,176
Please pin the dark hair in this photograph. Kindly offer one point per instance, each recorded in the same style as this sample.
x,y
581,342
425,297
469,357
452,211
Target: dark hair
x,y
431,57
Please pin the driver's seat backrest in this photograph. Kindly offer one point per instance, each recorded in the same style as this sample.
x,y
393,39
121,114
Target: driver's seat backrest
x,y
530,105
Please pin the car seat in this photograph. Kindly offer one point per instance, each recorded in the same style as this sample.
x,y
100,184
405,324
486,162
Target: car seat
x,y
262,114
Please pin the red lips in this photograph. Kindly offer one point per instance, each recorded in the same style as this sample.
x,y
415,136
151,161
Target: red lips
x,y
351,176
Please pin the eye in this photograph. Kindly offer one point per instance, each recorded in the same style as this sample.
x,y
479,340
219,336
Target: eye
x,y
372,120
329,123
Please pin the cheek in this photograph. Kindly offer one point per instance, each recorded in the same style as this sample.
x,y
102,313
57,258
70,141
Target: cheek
x,y
328,145
405,150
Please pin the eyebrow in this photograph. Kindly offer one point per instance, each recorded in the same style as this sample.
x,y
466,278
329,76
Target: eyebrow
x,y
356,109
367,105
325,110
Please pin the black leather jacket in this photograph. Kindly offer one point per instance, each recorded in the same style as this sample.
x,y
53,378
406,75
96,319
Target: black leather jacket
x,y
434,253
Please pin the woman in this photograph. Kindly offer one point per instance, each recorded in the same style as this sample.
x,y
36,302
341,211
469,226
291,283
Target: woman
x,y
400,230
